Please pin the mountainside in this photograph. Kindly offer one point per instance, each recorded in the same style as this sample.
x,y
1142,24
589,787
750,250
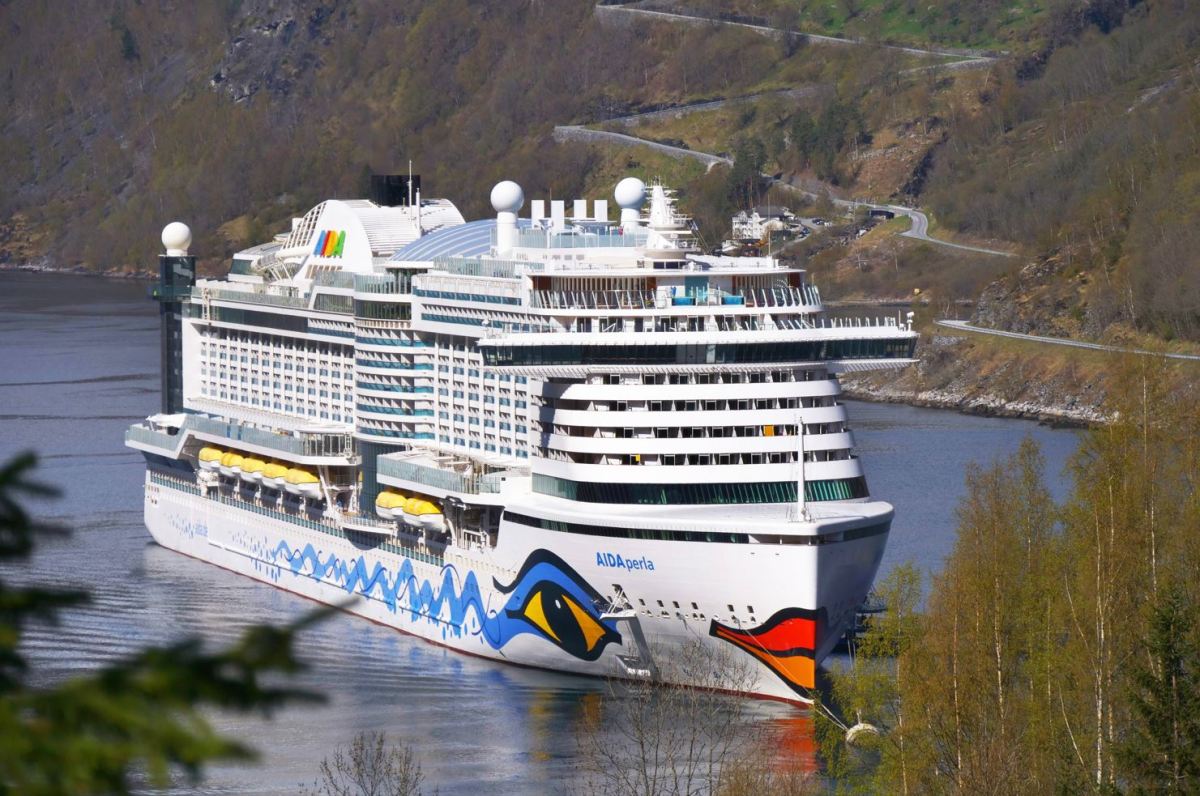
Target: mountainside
x,y
1090,158
1078,146
240,114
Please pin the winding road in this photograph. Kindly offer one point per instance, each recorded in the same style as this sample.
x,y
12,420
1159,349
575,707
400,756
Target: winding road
x,y
919,220
967,326
965,60
585,134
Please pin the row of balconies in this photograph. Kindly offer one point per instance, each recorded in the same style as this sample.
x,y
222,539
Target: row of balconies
x,y
663,297
691,459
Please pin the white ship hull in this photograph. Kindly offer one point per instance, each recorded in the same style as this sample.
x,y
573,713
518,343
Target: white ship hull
x,y
790,603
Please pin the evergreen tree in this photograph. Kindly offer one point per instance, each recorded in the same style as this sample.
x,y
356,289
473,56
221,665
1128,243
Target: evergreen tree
x,y
749,159
140,719
804,136
1161,753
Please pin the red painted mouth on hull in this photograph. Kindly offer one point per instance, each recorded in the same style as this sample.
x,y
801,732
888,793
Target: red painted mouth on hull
x,y
785,643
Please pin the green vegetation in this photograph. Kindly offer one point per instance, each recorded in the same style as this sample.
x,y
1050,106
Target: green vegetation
x,y
984,23
266,111
1078,147
134,723
1088,156
1056,650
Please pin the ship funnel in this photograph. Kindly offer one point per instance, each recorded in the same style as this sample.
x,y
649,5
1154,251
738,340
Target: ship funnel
x,y
507,200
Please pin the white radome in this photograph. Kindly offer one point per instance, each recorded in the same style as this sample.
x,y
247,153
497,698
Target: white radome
x,y
507,197
176,237
630,193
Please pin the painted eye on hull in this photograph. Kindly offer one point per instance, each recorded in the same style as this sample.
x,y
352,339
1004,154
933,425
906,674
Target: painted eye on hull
x,y
548,598
560,618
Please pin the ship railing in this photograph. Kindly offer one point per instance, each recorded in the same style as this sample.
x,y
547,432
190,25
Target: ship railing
x,y
169,293
250,297
340,279
300,443
594,299
806,296
781,296
469,266
548,239
396,283
152,437
175,482
475,484
718,323
322,522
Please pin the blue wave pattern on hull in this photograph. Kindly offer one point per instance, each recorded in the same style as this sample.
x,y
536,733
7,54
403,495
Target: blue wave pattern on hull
x,y
424,600
547,598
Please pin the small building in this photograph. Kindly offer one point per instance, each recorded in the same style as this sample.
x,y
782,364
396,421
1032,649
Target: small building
x,y
753,224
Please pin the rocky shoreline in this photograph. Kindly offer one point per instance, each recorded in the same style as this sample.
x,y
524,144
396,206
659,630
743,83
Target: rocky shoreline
x,y
983,405
76,270
957,373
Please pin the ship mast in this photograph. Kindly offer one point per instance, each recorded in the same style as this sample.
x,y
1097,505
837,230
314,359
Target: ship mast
x,y
801,503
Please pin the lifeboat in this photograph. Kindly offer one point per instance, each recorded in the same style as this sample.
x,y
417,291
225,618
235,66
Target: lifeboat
x,y
210,458
231,464
252,470
302,482
390,505
274,475
423,513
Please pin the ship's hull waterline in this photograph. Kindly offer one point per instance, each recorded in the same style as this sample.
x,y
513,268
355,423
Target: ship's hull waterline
x,y
522,604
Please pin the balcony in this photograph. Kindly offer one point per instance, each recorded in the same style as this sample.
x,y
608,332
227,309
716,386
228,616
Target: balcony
x,y
257,296
331,444
439,478
153,438
806,296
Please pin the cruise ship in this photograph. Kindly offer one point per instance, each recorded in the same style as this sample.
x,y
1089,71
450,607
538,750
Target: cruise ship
x,y
561,438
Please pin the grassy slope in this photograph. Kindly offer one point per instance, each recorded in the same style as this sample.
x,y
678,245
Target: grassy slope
x,y
989,24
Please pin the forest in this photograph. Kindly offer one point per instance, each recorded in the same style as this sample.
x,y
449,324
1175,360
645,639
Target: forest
x,y
1076,145
1057,650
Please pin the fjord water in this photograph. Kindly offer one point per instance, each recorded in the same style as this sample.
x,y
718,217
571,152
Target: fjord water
x,y
78,363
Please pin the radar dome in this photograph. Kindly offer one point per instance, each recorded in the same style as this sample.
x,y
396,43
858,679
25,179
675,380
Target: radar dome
x,y
630,193
176,237
507,197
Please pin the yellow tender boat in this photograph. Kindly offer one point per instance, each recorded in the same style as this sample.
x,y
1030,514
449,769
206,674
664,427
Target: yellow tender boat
x,y
390,505
231,464
423,513
302,482
210,458
274,475
252,469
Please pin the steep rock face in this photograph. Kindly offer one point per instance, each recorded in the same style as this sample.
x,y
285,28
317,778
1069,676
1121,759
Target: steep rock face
x,y
1035,300
273,45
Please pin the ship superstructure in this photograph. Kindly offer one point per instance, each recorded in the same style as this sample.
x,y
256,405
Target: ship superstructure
x,y
560,440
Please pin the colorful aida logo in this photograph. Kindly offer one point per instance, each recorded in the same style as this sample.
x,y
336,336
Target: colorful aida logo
x,y
329,243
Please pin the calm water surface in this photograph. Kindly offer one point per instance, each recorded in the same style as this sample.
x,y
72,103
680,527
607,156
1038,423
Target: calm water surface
x,y
78,363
